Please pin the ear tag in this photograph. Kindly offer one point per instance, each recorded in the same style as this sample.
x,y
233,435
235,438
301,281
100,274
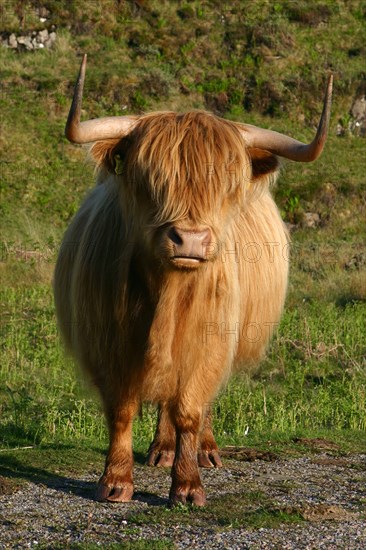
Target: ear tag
x,y
119,165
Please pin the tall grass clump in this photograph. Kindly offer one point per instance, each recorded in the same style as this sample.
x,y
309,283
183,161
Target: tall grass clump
x,y
314,378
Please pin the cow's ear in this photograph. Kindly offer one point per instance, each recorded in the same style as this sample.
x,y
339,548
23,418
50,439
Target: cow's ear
x,y
103,152
263,162
110,154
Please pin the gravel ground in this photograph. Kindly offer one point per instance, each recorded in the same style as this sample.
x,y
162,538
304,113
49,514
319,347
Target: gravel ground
x,y
329,493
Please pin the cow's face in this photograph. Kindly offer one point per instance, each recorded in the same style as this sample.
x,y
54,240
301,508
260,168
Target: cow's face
x,y
184,179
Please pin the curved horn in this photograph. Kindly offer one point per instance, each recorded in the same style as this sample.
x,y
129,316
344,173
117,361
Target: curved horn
x,y
287,147
95,129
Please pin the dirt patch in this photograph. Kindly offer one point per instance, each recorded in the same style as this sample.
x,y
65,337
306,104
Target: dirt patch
x,y
8,486
320,512
317,443
247,454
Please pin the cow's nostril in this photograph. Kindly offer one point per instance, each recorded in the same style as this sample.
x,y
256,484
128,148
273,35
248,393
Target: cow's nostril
x,y
174,236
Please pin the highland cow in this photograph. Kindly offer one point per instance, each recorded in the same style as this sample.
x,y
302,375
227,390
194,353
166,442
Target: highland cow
x,y
171,263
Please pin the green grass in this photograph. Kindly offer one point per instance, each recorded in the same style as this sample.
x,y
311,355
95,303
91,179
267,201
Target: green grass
x,y
313,379
250,510
259,62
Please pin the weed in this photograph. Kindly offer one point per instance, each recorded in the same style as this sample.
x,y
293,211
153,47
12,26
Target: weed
x,y
247,509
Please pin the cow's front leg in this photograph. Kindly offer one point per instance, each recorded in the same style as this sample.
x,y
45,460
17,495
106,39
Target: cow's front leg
x,y
186,482
116,483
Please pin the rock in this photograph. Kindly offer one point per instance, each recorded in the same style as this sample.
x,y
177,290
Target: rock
x,y
13,43
357,262
28,43
354,123
50,40
25,41
34,41
362,128
310,219
42,35
291,226
340,130
43,13
358,112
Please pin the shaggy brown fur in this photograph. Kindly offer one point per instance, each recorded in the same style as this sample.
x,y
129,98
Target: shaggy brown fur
x,y
148,330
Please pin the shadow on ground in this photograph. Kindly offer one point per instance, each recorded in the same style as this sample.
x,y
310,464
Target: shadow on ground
x,y
12,469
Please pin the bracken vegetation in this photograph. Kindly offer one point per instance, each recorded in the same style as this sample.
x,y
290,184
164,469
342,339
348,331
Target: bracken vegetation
x,y
259,62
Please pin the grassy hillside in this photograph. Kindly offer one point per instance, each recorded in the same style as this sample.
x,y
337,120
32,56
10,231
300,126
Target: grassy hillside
x,y
261,62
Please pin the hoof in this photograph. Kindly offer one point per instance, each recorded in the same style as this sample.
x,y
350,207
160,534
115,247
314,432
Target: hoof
x,y
209,459
162,459
117,491
184,494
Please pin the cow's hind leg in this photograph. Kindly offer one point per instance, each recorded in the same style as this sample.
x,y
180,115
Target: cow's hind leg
x,y
162,449
208,451
116,483
186,482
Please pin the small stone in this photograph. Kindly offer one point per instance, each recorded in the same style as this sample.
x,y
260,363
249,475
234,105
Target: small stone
x,y
311,219
291,226
356,262
13,43
359,108
340,131
50,40
28,43
363,128
25,41
43,13
42,35
357,125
